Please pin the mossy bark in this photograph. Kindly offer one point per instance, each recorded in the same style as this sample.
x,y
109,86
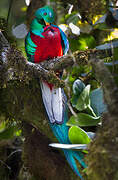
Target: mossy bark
x,y
43,161
103,156
24,104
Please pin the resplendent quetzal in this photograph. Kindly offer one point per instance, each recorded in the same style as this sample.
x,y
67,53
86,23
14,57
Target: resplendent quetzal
x,y
43,42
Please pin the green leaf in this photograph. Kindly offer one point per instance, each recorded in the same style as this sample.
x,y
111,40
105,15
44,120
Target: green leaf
x,y
84,99
82,42
2,126
97,102
87,41
78,87
72,18
71,78
90,111
74,100
18,132
101,26
78,136
83,120
8,133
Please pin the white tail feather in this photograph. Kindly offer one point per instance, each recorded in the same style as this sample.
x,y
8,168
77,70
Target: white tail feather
x,y
53,102
57,106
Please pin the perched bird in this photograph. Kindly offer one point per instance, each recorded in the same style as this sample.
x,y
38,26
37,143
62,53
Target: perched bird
x,y
45,41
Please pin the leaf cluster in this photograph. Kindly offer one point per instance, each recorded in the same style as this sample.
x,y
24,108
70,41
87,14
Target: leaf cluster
x,y
89,107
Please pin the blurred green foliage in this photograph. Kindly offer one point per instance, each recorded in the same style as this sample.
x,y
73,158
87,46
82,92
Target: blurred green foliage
x,y
9,130
83,42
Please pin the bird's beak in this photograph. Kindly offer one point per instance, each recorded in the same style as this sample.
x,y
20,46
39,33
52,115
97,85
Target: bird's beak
x,y
47,24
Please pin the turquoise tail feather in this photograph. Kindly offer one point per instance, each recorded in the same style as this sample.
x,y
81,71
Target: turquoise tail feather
x,y
61,133
71,155
59,128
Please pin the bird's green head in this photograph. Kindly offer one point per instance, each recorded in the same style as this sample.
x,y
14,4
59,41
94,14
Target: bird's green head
x,y
45,15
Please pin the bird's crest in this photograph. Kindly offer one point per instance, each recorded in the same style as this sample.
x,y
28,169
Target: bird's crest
x,y
46,13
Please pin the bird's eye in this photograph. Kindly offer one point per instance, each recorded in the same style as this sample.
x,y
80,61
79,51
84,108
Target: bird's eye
x,y
45,14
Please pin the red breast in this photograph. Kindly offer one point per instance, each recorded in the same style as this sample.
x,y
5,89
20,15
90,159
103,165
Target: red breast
x,y
49,46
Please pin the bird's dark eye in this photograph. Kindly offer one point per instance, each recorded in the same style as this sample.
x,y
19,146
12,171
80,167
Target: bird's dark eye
x,y
45,14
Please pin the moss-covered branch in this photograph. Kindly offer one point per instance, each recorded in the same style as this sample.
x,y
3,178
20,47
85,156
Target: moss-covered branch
x,y
102,159
79,57
13,59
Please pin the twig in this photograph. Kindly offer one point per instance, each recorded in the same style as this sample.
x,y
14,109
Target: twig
x,y
9,10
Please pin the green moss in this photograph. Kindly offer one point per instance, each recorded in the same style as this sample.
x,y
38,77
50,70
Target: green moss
x,y
102,159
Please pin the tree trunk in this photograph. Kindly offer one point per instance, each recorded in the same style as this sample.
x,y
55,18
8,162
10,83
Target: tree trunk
x,y
103,156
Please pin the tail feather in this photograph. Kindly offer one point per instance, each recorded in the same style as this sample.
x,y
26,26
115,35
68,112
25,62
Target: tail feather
x,y
53,101
79,156
61,133
71,156
61,130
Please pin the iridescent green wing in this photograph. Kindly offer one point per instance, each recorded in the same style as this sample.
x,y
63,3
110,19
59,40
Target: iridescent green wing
x,y
30,47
